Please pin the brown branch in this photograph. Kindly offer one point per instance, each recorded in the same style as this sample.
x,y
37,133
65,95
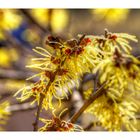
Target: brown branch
x,y
97,123
80,39
81,92
96,81
106,32
15,74
89,127
21,107
35,124
97,94
32,20
52,78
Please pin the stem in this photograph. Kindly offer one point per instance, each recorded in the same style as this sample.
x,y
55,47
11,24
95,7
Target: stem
x,y
97,123
106,33
35,124
97,94
81,92
96,81
52,78
81,38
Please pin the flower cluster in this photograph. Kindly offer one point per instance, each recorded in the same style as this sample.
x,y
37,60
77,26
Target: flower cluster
x,y
64,62
110,41
59,69
114,115
121,71
56,124
117,106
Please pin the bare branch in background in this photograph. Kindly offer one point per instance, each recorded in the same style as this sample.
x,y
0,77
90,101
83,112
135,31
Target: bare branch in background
x,y
21,107
15,74
35,124
97,94
33,21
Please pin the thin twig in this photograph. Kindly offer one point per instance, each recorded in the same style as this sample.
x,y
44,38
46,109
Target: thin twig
x,y
81,38
95,88
35,124
52,78
32,20
87,103
91,125
81,92
88,127
21,107
96,81
106,33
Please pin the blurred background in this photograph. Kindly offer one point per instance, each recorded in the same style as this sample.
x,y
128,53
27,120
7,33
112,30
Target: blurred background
x,y
22,29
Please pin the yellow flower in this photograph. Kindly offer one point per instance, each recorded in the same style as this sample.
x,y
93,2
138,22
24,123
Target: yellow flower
x,y
58,70
88,93
59,18
54,79
82,58
7,56
4,58
56,124
10,19
120,71
110,41
114,115
48,82
111,16
4,113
